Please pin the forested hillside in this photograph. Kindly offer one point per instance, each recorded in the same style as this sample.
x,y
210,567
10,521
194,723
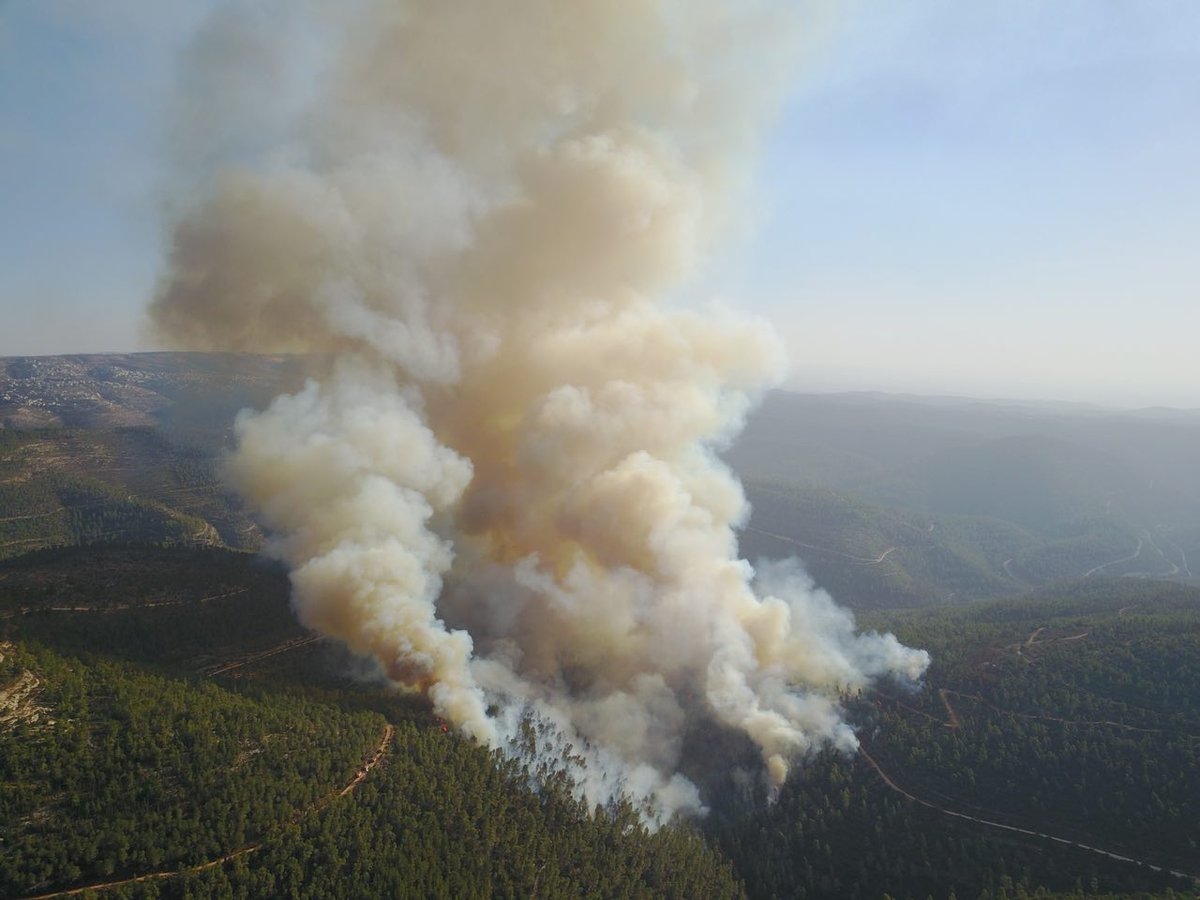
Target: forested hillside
x,y
167,727
163,718
167,699
1053,735
889,501
65,487
124,772
909,501
192,394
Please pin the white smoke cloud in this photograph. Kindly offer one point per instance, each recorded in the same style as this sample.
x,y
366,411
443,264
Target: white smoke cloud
x,y
506,488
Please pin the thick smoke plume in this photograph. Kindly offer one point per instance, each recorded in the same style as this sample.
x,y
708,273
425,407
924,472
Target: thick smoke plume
x,y
505,486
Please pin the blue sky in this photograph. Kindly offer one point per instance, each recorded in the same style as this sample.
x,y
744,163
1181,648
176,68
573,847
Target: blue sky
x,y
81,88
995,197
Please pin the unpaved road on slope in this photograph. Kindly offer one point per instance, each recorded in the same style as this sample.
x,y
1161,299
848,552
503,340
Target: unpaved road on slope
x,y
354,782
1027,831
1132,556
865,560
293,644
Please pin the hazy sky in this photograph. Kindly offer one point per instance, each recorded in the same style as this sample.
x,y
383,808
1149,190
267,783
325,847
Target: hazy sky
x,y
994,197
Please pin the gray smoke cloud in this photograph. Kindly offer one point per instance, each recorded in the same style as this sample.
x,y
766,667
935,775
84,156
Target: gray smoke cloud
x,y
505,487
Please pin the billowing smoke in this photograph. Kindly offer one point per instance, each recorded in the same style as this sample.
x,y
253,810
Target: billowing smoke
x,y
505,485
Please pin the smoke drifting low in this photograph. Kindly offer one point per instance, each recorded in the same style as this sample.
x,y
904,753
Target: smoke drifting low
x,y
506,487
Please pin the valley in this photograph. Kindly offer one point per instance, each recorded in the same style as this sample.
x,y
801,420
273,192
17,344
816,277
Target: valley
x,y
168,728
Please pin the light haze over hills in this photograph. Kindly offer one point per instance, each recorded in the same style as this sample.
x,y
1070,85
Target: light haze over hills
x,y
988,199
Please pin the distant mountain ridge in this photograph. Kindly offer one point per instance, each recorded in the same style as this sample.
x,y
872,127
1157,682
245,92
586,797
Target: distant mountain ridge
x,y
888,500
974,498
136,389
166,718
119,448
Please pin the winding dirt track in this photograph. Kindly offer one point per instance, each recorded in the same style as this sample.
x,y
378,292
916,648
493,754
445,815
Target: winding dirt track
x,y
1007,564
1112,562
354,782
953,720
124,607
1105,723
1039,834
272,651
388,733
866,561
119,607
44,515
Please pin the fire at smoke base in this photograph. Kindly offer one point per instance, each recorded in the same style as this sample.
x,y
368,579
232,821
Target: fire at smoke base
x,y
506,487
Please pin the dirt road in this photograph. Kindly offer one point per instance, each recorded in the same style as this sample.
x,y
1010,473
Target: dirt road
x,y
953,720
388,733
293,644
1132,556
864,560
1026,831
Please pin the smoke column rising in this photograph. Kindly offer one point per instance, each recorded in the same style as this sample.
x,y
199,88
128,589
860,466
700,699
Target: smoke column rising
x,y
505,486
